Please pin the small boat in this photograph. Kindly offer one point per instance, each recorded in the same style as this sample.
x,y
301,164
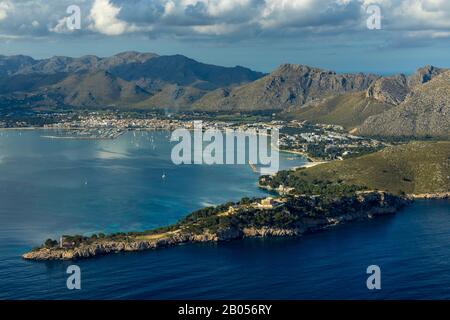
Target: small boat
x,y
254,169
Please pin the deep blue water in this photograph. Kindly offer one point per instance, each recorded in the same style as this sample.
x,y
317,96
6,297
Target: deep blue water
x,y
52,187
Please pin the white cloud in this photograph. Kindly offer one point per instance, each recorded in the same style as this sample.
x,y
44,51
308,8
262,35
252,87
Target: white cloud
x,y
216,29
278,13
423,14
61,26
104,17
6,7
226,18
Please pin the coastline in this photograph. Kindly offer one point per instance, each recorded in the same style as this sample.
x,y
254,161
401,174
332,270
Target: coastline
x,y
437,196
21,128
78,138
356,208
157,240
304,154
312,162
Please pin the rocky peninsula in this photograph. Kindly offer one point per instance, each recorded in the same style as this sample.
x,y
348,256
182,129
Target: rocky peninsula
x,y
282,216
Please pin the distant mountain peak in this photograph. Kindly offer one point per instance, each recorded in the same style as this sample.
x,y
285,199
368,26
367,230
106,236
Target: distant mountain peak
x,y
299,68
289,86
425,111
394,89
136,55
127,78
424,74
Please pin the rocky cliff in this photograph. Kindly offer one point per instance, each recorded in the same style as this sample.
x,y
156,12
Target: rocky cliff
x,y
289,86
374,204
424,112
392,90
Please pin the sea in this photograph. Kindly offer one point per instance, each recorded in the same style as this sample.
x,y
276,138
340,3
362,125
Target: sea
x,y
50,187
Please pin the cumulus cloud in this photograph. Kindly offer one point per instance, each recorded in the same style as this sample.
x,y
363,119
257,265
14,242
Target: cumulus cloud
x,y
104,17
61,26
231,19
415,14
6,6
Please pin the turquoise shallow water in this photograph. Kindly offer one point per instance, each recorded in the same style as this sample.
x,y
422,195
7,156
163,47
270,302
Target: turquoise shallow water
x,y
51,187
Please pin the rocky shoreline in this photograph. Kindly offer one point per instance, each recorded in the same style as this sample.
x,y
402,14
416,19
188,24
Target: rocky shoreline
x,y
436,196
135,243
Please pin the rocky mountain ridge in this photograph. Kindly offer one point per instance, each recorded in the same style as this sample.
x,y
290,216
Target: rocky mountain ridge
x,y
288,87
170,81
368,104
425,111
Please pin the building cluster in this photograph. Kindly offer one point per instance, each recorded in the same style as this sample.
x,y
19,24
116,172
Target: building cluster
x,y
325,142
267,203
95,120
322,142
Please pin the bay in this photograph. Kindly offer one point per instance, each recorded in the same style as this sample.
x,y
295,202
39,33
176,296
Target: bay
x,y
50,187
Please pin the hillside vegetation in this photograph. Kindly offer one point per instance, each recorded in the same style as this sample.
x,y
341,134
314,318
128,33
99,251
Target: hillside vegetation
x,y
413,168
348,110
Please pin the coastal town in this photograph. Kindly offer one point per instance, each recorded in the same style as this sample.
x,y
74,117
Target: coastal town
x,y
325,142
318,142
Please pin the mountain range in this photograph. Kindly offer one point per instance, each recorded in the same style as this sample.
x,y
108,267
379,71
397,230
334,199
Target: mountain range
x,y
129,79
367,104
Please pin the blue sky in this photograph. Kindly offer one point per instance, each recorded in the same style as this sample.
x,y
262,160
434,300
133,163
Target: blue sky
x,y
260,34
